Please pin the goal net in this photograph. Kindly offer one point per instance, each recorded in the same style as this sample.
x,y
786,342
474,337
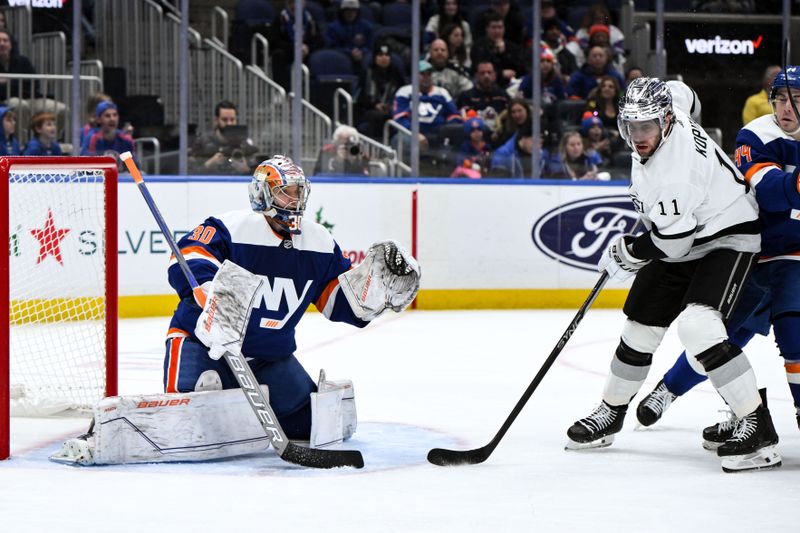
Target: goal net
x,y
59,285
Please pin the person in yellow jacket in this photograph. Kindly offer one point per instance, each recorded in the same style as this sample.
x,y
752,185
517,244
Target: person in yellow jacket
x,y
758,104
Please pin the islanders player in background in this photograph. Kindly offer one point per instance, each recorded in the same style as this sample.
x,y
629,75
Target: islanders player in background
x,y
700,241
768,154
300,264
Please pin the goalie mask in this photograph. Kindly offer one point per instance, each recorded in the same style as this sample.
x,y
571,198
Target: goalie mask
x,y
280,189
789,81
646,104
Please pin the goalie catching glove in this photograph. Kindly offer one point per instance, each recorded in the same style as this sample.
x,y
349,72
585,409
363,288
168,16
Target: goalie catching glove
x,y
388,278
618,260
223,322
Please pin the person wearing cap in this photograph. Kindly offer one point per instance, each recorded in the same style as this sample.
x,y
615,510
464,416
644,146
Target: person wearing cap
x,y
349,33
381,82
436,107
597,65
505,54
475,147
445,73
595,137
598,15
107,139
565,51
552,85
9,144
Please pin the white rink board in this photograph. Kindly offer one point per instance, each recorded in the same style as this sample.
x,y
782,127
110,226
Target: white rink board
x,y
470,236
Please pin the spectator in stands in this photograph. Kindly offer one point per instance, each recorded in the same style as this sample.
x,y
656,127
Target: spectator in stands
x,y
603,102
505,54
631,73
554,37
758,104
43,139
91,108
9,144
381,82
475,149
552,85
599,35
449,14
516,117
446,74
224,150
598,14
343,155
107,139
12,62
486,98
588,77
435,107
281,41
573,161
457,49
349,32
596,138
510,14
549,14
513,158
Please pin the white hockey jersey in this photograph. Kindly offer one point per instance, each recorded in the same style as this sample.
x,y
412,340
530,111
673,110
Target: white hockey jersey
x,y
692,199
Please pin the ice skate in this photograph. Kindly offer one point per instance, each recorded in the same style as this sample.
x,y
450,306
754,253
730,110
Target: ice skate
x,y
752,445
596,430
716,435
653,406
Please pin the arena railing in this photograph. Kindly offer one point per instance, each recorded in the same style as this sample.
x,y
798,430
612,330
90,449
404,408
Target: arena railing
x,y
149,160
171,98
45,92
265,111
49,52
219,26
338,95
257,41
19,21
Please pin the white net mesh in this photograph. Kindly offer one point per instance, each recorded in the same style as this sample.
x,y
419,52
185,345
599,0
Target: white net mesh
x,y
57,284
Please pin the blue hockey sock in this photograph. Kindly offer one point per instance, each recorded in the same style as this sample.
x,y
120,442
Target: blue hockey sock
x,y
681,377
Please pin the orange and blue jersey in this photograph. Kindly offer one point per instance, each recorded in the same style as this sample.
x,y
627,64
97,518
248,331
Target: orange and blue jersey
x,y
770,161
96,144
297,271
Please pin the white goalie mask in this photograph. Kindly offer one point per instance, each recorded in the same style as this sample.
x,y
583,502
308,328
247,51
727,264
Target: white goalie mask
x,y
280,190
645,100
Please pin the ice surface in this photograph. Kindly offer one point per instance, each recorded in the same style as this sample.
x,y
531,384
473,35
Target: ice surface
x,y
422,380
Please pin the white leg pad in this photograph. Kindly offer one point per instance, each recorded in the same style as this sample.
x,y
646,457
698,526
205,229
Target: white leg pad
x,y
333,412
194,426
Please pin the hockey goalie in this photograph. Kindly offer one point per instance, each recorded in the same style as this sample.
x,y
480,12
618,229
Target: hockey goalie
x,y
263,267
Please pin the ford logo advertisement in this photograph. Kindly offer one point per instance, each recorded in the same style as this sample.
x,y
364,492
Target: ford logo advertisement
x,y
578,232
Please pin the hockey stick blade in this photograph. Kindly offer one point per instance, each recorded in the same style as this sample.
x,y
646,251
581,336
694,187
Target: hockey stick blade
x,y
443,457
317,458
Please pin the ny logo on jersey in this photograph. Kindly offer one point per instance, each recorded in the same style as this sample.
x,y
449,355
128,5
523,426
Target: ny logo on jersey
x,y
428,110
273,294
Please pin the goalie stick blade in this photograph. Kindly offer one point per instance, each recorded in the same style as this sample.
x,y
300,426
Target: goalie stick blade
x,y
442,457
316,458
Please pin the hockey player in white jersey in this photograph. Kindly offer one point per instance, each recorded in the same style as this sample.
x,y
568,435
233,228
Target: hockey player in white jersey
x,y
699,245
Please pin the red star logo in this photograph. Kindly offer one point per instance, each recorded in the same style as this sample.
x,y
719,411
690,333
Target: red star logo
x,y
49,239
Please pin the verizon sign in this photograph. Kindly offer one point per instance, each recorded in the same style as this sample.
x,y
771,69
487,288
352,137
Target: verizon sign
x,y
721,46
37,3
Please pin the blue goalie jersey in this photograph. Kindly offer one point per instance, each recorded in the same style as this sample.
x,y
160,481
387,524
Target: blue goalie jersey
x,y
297,271
769,160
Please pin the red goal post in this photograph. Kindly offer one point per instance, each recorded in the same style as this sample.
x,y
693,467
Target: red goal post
x,y
58,286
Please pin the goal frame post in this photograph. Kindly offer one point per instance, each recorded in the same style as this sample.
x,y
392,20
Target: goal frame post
x,y
109,167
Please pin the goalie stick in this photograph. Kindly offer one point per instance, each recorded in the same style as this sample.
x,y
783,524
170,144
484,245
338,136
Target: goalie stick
x,y
287,450
787,51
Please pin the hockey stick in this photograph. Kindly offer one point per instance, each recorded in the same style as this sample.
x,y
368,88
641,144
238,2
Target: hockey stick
x,y
786,53
288,451
443,457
